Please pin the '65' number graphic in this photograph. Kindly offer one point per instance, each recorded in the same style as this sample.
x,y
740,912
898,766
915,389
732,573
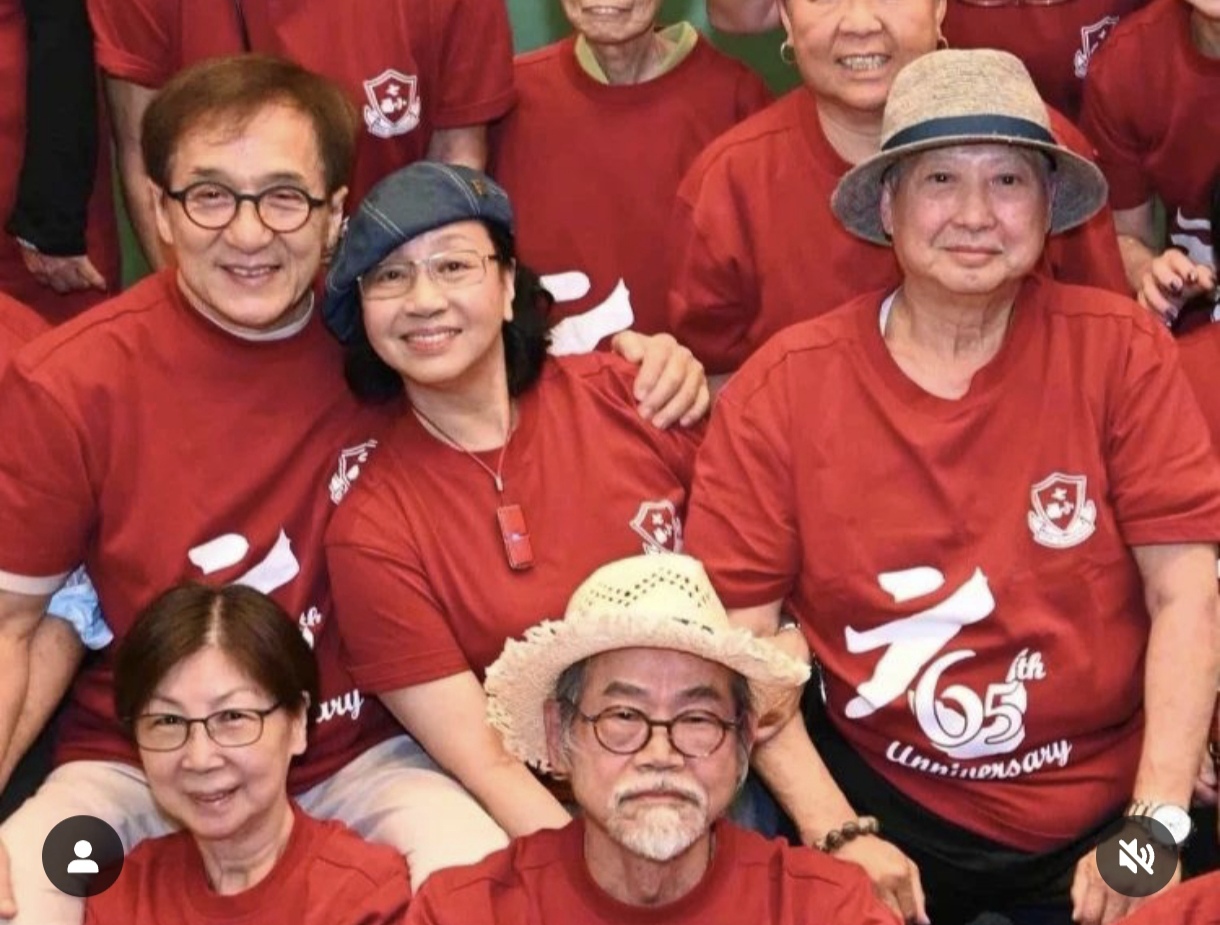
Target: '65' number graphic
x,y
955,718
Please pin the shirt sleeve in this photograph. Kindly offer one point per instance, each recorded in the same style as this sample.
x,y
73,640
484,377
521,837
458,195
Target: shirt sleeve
x,y
395,631
713,295
134,39
741,520
1164,474
60,155
1114,133
382,904
475,73
44,486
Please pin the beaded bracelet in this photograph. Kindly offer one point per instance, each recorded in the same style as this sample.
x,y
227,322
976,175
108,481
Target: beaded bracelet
x,y
849,831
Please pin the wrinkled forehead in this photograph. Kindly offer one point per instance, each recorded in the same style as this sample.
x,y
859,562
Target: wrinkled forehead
x,y
658,676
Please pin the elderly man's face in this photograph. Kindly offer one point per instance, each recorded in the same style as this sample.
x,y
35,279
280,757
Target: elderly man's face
x,y
610,22
968,219
246,275
656,803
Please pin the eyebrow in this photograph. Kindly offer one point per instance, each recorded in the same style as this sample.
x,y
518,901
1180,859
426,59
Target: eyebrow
x,y
215,703
262,181
699,692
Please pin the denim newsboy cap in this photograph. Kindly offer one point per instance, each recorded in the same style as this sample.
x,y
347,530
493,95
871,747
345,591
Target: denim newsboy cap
x,y
418,198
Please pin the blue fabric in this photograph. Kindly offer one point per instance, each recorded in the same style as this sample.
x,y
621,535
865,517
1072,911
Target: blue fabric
x,y
77,603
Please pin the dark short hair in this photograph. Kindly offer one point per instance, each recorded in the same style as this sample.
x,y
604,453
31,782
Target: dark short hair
x,y
526,337
248,626
230,92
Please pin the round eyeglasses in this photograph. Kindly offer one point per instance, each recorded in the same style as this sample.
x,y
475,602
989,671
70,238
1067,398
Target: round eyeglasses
x,y
233,728
213,206
626,730
449,270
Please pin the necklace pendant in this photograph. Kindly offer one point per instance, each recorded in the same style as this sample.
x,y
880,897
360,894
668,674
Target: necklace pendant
x,y
516,536
499,482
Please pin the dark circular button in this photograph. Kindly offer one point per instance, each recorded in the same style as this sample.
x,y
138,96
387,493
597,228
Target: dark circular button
x,y
1137,856
82,856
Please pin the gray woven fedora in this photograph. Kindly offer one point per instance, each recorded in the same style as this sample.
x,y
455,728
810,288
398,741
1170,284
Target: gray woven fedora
x,y
953,97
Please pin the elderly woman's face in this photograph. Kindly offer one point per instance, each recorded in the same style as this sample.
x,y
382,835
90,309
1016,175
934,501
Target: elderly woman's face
x,y
446,324
220,793
969,218
609,22
849,51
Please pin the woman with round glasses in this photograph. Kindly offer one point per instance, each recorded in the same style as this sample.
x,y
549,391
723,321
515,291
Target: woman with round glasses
x,y
753,244
215,684
507,477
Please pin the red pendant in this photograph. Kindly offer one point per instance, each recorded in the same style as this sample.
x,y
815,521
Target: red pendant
x,y
516,536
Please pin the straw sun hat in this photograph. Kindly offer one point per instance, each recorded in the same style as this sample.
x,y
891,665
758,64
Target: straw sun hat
x,y
656,602
953,97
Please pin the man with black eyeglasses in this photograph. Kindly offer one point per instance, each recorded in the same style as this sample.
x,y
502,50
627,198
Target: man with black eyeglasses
x,y
643,697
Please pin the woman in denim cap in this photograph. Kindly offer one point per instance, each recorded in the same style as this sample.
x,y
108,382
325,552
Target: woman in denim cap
x,y
507,478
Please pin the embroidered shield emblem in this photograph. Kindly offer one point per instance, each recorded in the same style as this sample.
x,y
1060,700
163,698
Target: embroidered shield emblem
x,y
1091,38
658,524
1061,514
393,107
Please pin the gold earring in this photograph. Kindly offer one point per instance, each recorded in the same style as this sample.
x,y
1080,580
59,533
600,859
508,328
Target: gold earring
x,y
787,53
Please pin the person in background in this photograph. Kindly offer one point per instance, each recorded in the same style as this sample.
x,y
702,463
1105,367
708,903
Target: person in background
x,y
988,469
1149,96
506,476
60,253
644,698
425,75
606,123
215,686
1055,39
754,246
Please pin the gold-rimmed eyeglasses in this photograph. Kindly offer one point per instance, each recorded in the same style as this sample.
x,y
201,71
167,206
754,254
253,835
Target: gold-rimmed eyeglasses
x,y
455,269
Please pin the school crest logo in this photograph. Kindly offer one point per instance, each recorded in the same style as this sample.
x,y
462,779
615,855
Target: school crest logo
x,y
1061,515
348,469
393,107
658,524
1091,38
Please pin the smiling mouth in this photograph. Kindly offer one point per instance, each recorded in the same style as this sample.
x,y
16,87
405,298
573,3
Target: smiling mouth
x,y
434,337
254,273
863,63
213,798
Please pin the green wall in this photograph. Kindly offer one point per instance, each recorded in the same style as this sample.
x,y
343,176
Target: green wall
x,y
539,22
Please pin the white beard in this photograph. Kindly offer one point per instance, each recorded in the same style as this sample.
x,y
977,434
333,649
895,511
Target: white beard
x,y
660,833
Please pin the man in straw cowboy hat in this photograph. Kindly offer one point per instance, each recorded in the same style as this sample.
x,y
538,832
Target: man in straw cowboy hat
x,y
642,697
958,487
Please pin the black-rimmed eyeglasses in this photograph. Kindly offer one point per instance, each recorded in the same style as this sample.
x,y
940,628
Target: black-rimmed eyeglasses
x,y
213,206
232,728
626,730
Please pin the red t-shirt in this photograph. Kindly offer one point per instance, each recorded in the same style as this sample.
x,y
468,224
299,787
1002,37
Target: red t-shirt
x,y
1195,902
146,442
327,875
952,563
18,326
542,879
1151,106
101,239
592,169
422,585
410,66
1056,42
754,246
1200,353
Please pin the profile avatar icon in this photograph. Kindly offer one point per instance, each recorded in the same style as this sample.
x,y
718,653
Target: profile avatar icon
x,y
83,863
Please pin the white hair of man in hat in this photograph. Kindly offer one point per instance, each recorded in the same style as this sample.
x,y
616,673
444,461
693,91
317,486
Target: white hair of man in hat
x,y
643,698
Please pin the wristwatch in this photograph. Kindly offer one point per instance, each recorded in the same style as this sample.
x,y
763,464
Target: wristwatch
x,y
1176,819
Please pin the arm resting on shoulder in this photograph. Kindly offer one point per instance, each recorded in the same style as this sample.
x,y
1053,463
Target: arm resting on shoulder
x,y
448,717
19,619
466,144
